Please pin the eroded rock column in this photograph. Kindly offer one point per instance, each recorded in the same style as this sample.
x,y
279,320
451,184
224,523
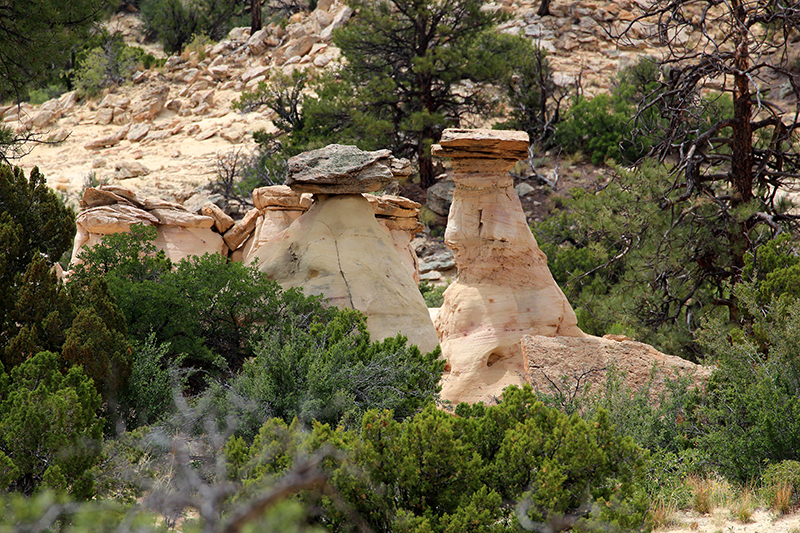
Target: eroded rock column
x,y
504,288
339,250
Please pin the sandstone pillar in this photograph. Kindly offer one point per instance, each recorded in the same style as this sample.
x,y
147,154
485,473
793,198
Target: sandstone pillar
x,y
339,250
504,288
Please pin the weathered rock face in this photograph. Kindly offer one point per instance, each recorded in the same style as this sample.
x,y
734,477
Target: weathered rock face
x,y
399,217
113,209
339,249
589,358
504,288
340,169
278,206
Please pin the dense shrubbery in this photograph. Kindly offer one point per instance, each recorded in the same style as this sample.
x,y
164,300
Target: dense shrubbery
x,y
486,469
174,22
50,433
602,127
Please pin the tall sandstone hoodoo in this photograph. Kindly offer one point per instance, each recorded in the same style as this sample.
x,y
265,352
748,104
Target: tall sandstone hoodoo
x,y
338,248
504,288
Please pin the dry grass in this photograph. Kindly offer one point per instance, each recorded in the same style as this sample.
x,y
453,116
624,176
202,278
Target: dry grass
x,y
663,514
708,493
782,500
744,506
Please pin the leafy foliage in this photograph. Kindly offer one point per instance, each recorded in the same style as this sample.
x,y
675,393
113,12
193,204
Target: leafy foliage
x,y
437,472
327,370
111,64
269,352
602,127
408,60
433,295
175,22
752,404
633,262
35,230
412,68
49,429
39,38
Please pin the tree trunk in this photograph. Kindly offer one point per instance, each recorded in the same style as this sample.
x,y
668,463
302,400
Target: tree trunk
x,y
742,139
426,174
255,16
544,9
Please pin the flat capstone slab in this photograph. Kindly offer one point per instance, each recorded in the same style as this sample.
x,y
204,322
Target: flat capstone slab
x,y
340,169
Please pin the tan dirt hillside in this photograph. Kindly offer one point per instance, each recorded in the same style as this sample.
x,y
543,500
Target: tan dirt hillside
x,y
184,141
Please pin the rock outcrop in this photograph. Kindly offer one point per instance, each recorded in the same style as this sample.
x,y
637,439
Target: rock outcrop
x,y
399,217
339,249
504,288
111,209
588,359
278,206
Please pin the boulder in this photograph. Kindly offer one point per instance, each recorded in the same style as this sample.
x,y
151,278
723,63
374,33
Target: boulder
x,y
109,140
483,143
241,230
129,169
123,192
301,46
151,103
340,169
439,196
96,197
549,359
114,218
222,221
280,196
180,218
257,43
138,132
337,249
393,206
45,117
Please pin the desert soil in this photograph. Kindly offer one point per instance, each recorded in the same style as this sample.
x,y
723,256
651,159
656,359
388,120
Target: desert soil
x,y
722,521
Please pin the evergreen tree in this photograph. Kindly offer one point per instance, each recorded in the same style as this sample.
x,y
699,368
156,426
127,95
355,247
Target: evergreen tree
x,y
732,161
412,62
49,429
35,230
37,37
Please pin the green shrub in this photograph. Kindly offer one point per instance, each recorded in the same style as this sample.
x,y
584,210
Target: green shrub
x,y
174,23
111,64
36,228
40,96
148,396
488,469
49,429
599,127
781,485
751,411
433,295
327,370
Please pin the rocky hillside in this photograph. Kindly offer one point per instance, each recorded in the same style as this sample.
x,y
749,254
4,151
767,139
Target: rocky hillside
x,y
165,133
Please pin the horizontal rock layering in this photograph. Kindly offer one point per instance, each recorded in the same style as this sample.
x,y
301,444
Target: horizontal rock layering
x,y
504,288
